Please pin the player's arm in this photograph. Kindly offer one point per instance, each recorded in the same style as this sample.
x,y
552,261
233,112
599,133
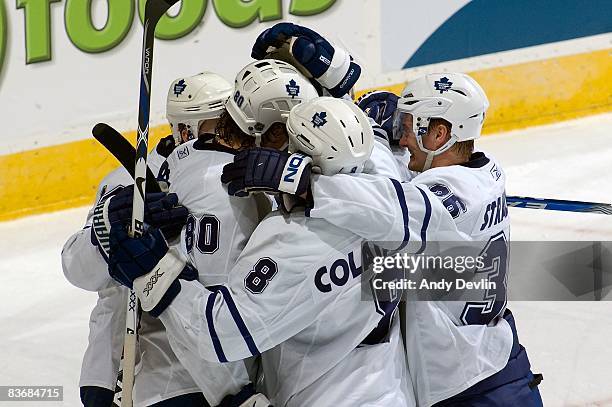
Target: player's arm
x,y
230,323
381,161
86,253
82,262
376,208
268,299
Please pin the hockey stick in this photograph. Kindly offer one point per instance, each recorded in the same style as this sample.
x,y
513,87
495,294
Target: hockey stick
x,y
154,10
123,151
559,205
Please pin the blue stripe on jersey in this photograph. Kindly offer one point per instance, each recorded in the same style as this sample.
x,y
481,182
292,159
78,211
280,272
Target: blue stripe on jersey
x,y
211,328
244,331
426,219
402,201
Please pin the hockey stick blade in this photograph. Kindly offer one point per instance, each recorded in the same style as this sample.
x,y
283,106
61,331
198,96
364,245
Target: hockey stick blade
x,y
122,150
559,205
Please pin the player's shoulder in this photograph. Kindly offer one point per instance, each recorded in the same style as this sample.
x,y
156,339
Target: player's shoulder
x,y
115,178
382,162
481,170
180,153
465,189
198,150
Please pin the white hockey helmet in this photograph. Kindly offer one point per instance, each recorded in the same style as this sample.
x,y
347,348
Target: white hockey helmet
x,y
334,132
194,99
454,97
264,93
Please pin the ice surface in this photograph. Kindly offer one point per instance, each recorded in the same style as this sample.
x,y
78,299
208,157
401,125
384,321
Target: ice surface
x,y
44,320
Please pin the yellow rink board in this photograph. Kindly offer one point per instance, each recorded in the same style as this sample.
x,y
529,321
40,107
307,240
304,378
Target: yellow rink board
x,y
521,95
57,177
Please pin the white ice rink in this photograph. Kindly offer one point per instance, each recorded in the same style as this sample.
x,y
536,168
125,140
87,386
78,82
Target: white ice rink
x,y
44,320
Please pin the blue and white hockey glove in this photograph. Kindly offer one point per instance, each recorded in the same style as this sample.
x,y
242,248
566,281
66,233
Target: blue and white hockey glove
x,y
380,106
161,211
268,170
331,66
147,265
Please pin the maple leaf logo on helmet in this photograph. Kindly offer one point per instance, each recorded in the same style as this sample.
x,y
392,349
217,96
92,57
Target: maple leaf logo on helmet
x,y
179,87
319,119
293,89
443,85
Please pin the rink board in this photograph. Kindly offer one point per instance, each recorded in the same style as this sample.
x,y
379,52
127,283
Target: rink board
x,y
521,95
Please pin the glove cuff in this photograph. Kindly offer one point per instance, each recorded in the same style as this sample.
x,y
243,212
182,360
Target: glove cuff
x,y
100,228
338,67
152,287
347,82
295,177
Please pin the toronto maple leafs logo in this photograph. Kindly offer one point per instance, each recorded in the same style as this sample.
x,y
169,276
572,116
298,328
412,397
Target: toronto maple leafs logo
x,y
179,87
443,85
319,119
293,89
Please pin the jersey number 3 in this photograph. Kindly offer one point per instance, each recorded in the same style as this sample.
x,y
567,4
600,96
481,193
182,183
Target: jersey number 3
x,y
495,256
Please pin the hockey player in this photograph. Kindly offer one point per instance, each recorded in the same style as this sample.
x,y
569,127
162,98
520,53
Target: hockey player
x,y
294,295
161,379
219,226
460,353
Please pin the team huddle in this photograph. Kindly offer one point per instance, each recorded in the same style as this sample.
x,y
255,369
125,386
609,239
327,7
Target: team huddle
x,y
249,273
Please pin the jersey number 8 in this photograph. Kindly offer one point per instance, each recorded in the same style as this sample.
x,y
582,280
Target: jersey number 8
x,y
263,271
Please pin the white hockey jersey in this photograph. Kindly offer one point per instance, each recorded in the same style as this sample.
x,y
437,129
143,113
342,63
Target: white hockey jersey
x,y
450,345
160,374
216,231
294,296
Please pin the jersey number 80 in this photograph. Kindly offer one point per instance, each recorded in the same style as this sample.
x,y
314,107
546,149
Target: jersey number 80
x,y
203,233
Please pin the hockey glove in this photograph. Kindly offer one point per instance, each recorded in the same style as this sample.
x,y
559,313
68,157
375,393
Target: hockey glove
x,y
161,211
331,66
380,106
268,170
148,266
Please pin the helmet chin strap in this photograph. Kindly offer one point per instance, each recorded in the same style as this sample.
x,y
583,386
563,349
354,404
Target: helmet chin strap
x,y
432,153
428,160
